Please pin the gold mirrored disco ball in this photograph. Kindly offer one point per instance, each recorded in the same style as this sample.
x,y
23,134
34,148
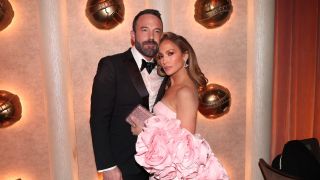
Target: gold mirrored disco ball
x,y
6,14
212,13
105,14
214,101
10,109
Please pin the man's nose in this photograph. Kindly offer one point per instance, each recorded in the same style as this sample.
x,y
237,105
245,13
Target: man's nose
x,y
151,35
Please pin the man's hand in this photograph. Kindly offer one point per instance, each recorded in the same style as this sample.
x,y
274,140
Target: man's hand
x,y
113,174
135,127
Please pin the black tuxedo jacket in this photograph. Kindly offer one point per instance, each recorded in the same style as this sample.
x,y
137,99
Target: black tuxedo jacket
x,y
117,89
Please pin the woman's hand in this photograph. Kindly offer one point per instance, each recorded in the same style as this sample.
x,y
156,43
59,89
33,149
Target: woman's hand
x,y
135,127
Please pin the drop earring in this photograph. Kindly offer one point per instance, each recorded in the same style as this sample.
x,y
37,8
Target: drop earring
x,y
186,64
186,59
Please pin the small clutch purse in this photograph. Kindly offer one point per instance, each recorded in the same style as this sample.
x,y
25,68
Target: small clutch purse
x,y
140,113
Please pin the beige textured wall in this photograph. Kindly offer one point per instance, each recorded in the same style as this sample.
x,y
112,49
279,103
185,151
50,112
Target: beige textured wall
x,y
24,146
221,53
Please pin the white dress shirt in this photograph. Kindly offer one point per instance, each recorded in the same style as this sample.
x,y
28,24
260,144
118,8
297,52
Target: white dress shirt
x,y
152,81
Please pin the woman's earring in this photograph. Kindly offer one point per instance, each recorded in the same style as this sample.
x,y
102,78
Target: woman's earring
x,y
160,71
186,64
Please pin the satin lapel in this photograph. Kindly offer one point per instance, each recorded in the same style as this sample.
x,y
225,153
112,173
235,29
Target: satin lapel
x,y
136,79
162,89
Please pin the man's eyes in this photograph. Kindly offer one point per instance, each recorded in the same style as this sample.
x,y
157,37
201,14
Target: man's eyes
x,y
156,31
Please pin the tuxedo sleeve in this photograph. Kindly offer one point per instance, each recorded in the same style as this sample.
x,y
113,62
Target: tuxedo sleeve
x,y
102,105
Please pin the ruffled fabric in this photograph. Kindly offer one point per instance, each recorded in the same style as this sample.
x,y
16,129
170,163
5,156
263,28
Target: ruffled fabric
x,y
168,151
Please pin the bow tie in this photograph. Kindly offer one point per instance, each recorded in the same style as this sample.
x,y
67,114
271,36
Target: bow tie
x,y
148,65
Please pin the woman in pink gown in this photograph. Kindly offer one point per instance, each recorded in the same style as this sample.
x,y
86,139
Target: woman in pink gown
x,y
167,146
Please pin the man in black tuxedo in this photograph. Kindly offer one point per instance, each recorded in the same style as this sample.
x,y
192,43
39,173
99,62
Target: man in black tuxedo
x,y
121,83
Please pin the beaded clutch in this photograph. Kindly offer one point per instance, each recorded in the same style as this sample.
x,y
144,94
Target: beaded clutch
x,y
139,113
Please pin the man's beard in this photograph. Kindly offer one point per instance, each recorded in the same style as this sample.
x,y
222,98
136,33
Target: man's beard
x,y
148,51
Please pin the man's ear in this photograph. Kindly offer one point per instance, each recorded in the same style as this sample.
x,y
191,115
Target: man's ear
x,y
133,35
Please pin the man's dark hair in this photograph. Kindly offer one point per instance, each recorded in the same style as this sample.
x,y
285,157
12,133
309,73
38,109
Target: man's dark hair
x,y
146,11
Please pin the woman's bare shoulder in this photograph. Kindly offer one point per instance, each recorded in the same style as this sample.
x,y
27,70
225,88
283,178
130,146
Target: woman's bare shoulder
x,y
187,92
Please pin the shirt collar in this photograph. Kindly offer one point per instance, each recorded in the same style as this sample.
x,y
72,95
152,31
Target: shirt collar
x,y
137,56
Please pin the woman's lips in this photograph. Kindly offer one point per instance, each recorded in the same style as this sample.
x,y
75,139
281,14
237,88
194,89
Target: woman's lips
x,y
166,68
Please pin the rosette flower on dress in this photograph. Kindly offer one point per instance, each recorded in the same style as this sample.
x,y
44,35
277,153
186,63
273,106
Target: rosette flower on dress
x,y
168,151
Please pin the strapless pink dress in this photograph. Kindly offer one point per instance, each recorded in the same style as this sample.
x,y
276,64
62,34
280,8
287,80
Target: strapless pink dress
x,y
163,110
168,151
